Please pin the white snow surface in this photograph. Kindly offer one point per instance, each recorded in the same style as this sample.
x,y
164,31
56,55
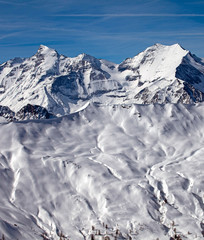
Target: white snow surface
x,y
137,168
158,61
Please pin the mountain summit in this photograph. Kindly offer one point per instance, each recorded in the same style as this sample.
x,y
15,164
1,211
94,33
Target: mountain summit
x,y
160,74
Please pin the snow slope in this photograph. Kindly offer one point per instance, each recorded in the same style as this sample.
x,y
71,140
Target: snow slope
x,y
137,168
62,85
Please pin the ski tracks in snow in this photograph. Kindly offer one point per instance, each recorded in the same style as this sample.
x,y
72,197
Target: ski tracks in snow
x,y
158,177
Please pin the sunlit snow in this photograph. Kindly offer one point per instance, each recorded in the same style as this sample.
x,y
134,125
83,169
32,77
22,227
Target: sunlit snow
x,y
136,168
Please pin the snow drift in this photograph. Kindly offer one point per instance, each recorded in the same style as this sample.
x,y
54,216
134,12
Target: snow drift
x,y
136,168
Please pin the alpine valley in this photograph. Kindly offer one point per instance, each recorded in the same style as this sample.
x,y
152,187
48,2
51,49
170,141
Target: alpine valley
x,y
94,150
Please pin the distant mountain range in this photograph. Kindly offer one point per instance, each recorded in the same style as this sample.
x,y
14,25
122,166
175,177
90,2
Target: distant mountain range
x,y
49,84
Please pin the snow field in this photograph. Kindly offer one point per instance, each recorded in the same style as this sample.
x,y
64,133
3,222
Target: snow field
x,y
133,167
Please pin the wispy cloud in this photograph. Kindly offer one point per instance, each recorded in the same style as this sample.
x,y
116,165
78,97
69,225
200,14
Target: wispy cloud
x,y
9,35
119,35
130,15
142,36
11,3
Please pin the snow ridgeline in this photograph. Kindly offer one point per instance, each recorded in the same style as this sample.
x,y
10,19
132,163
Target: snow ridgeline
x,y
62,85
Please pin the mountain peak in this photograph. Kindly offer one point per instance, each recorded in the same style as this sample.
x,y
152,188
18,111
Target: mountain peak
x,y
88,58
178,46
44,50
85,57
159,46
158,53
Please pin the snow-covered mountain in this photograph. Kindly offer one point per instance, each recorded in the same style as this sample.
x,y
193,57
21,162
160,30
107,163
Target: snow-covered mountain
x,y
163,74
113,165
52,81
62,84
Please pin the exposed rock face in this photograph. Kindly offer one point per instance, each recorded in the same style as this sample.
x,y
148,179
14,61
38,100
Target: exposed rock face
x,y
27,112
62,85
7,113
33,112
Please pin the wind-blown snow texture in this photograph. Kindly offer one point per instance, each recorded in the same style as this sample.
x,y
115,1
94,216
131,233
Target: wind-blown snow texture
x,y
135,167
160,74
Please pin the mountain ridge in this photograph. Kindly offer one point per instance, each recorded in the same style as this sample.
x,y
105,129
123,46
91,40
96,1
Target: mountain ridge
x,y
60,84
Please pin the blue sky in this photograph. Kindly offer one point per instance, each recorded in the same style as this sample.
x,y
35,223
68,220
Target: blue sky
x,y
109,29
